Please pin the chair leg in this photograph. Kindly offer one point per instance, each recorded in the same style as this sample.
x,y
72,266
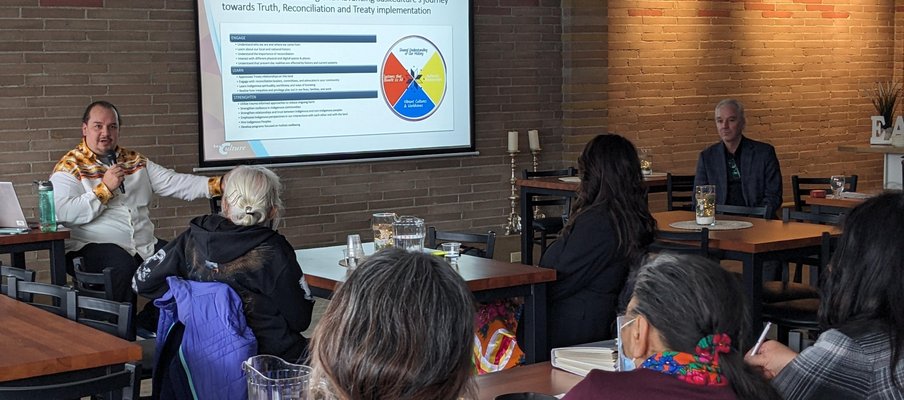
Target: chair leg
x,y
542,243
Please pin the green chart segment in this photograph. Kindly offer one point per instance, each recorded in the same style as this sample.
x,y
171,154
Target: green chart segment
x,y
414,78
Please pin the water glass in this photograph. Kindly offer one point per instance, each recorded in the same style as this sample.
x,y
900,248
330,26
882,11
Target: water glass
x,y
646,160
408,233
837,183
354,250
381,223
451,252
706,204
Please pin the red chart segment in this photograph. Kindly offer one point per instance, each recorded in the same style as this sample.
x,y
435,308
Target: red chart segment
x,y
395,79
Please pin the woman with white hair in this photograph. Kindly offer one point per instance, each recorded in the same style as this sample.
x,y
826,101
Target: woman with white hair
x,y
241,248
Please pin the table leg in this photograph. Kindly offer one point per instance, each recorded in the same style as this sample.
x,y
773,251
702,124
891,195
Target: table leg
x,y
527,226
58,263
534,320
753,287
18,259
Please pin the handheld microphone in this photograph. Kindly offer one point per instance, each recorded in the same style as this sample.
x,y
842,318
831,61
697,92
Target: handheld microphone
x,y
110,158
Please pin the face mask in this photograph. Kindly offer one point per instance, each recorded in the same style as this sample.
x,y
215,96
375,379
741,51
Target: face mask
x,y
625,364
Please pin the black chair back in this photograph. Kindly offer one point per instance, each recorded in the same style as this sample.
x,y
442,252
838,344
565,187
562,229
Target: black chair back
x,y
23,275
109,316
215,204
123,383
684,242
679,192
801,216
801,187
436,238
60,300
764,212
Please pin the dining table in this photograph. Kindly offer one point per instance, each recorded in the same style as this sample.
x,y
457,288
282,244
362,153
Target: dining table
x,y
834,205
534,378
763,240
36,344
35,240
563,187
488,279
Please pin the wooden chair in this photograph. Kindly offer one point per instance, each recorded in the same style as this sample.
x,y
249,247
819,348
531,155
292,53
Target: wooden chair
x,y
60,299
812,260
114,384
679,192
23,275
801,187
764,212
487,240
689,242
548,228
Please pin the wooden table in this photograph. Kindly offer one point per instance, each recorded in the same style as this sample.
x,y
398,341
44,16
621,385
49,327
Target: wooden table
x,y
54,242
556,187
839,206
488,279
765,240
537,378
35,343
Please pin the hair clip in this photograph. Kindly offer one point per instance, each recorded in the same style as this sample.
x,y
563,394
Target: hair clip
x,y
249,210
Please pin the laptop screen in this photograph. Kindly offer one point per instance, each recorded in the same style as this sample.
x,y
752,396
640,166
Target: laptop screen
x,y
11,215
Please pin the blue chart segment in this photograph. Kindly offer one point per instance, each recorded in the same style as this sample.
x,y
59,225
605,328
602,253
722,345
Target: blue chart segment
x,y
414,78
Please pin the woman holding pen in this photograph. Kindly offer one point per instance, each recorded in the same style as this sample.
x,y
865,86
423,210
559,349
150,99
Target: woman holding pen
x,y
683,335
861,351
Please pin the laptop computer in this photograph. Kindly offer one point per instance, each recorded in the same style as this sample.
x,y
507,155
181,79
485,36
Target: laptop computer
x,y
12,219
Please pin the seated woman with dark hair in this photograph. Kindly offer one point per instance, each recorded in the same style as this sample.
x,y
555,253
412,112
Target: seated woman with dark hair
x,y
401,327
606,237
861,354
685,329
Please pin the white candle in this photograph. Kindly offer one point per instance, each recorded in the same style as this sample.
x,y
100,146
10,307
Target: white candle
x,y
533,138
513,141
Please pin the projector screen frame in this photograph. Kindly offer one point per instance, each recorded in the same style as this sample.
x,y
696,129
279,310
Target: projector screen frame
x,y
204,149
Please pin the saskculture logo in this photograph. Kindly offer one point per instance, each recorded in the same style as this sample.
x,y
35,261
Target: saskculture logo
x,y
227,147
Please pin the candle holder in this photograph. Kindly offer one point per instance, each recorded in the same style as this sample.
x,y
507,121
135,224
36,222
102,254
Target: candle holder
x,y
535,160
514,220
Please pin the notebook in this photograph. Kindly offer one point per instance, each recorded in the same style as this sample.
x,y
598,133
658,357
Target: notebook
x,y
12,220
582,358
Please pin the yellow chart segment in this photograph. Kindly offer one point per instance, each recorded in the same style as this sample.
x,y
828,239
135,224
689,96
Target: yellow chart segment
x,y
433,78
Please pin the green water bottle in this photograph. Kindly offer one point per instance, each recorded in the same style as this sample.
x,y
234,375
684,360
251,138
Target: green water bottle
x,y
46,207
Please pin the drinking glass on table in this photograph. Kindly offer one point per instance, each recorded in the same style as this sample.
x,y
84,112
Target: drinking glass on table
x,y
837,183
408,233
645,155
381,223
706,204
451,252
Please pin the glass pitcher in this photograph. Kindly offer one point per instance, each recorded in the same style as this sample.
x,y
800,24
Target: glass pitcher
x,y
381,223
272,378
408,233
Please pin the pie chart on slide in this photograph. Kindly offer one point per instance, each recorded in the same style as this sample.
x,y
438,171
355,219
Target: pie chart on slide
x,y
414,78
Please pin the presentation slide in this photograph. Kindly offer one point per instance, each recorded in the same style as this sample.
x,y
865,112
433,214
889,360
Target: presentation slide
x,y
321,80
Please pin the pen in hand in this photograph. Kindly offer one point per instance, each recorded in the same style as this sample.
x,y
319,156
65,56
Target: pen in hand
x,y
756,347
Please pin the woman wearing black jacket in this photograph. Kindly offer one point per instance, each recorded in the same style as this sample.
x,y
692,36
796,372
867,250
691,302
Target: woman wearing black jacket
x,y
606,237
241,248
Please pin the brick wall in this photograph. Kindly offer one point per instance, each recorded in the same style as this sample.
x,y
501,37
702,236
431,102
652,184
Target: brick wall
x,y
651,70
798,65
59,55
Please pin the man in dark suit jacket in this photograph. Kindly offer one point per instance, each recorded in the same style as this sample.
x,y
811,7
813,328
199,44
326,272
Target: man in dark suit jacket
x,y
746,172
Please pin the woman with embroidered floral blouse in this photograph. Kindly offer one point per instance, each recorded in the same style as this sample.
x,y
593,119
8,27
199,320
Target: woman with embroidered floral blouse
x,y
684,331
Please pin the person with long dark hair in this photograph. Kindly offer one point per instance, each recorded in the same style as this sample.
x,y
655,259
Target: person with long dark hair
x,y
861,353
685,330
605,237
